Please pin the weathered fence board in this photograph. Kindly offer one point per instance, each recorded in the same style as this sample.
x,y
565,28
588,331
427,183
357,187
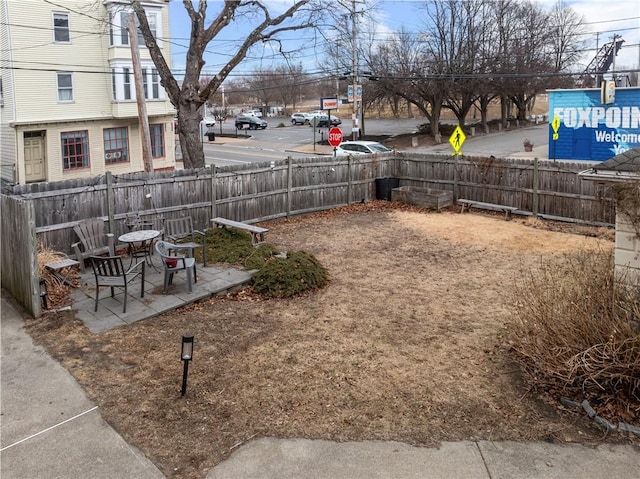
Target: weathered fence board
x,y
264,191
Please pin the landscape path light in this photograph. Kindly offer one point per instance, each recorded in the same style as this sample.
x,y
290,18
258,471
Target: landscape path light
x,y
186,355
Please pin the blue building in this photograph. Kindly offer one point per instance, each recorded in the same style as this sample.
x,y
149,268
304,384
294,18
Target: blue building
x,y
590,130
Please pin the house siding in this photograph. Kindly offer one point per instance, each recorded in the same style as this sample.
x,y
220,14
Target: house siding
x,y
7,113
37,58
627,250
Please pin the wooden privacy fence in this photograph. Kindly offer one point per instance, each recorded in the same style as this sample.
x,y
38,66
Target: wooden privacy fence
x,y
259,192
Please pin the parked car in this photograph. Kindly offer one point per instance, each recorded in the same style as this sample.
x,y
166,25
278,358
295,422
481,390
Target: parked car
x,y
209,121
301,118
257,113
361,148
250,122
323,120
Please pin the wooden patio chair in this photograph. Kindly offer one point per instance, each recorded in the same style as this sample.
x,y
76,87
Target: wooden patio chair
x,y
94,240
173,263
109,271
180,229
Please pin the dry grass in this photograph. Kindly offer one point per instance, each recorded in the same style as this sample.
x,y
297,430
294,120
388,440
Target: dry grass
x,y
406,342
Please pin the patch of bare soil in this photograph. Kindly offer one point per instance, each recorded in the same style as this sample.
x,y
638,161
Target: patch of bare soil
x,y
407,343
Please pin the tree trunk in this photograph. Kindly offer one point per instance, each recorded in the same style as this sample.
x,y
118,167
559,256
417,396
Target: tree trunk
x,y
190,144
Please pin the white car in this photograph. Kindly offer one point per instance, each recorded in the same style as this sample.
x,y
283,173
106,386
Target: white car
x,y
361,148
257,113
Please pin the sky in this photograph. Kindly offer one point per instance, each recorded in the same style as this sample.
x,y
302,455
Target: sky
x,y
604,18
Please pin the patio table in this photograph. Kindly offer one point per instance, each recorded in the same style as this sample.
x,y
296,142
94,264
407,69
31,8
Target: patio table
x,y
140,244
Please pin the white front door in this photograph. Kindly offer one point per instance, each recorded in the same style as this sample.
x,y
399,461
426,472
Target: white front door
x,y
34,157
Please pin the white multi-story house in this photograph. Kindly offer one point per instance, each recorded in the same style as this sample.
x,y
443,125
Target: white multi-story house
x,y
67,91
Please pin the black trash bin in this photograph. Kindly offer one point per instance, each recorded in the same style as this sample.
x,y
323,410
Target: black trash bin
x,y
384,187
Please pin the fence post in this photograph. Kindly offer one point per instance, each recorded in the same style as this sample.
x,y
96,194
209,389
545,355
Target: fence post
x,y
110,203
455,177
348,180
534,205
213,191
289,184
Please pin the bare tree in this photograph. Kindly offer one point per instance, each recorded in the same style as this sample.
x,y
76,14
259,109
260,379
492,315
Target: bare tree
x,y
566,30
188,96
263,86
402,68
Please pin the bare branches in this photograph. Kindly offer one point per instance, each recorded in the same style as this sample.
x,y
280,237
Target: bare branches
x,y
190,95
575,327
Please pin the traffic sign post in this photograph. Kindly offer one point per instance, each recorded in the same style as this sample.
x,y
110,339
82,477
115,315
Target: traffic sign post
x,y
335,138
456,140
555,126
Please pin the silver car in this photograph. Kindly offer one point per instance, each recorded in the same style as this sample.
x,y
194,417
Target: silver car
x,y
301,118
361,148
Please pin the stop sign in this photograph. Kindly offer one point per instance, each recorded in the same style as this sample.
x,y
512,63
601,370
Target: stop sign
x,y
335,136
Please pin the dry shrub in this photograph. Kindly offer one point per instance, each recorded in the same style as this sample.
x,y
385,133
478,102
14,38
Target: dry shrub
x,y
575,329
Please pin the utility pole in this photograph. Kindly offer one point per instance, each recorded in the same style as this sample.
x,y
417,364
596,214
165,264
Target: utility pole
x,y
355,130
615,54
143,119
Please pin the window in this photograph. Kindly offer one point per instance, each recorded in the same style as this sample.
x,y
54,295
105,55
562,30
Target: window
x,y
152,20
61,27
114,84
127,83
122,81
111,27
157,140
155,84
124,32
144,82
65,87
151,76
75,149
118,25
116,145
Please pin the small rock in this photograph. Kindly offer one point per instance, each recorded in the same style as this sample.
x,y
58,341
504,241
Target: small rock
x,y
569,403
588,409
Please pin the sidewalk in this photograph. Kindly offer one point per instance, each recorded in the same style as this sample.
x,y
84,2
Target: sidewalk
x,y
50,429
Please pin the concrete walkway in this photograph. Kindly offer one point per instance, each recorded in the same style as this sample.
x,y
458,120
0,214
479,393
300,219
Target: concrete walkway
x,y
302,458
50,429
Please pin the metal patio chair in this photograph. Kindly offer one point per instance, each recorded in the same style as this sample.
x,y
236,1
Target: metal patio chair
x,y
110,272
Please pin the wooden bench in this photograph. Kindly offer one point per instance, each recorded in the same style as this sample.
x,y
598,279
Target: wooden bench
x,y
257,233
468,204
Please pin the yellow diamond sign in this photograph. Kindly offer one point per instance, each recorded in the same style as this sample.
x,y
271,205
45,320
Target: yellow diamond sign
x,y
457,139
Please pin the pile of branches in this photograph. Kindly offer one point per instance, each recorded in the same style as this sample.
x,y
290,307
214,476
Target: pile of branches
x,y
57,292
575,329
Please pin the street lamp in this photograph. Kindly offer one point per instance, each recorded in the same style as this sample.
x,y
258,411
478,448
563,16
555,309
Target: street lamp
x,y
186,355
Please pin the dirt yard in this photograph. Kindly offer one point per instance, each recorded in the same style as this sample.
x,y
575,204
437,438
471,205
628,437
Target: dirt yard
x,y
407,343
